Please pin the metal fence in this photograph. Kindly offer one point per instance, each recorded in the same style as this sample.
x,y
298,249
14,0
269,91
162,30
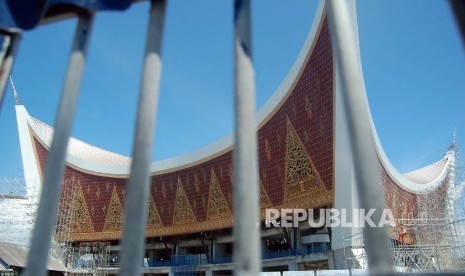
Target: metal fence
x,y
22,15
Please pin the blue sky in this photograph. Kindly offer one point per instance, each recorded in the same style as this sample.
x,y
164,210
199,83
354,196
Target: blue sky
x,y
412,57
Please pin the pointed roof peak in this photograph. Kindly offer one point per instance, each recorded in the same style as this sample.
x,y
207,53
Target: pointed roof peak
x,y
452,145
17,101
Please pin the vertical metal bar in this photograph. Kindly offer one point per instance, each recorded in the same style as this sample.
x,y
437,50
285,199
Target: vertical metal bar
x,y
138,184
360,133
7,63
54,167
458,8
245,157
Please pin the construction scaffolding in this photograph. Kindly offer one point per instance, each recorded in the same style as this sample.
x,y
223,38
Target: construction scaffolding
x,y
18,216
423,245
431,240
437,246
89,258
17,212
61,244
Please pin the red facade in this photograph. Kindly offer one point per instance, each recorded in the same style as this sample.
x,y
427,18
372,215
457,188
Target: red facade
x,y
296,163
296,169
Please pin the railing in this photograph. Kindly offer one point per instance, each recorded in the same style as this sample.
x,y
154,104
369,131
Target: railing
x,y
196,260
323,248
278,254
27,14
222,260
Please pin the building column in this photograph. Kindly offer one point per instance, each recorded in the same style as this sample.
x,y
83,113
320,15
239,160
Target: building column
x,y
295,240
292,266
151,257
180,250
219,250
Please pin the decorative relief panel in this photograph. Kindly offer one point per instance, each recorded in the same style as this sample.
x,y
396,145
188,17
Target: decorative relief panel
x,y
183,212
308,107
81,217
264,198
295,162
267,149
217,205
302,179
115,213
153,219
196,183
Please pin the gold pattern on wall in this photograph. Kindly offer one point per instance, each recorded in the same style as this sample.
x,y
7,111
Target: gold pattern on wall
x,y
264,198
308,106
217,205
81,218
302,179
163,190
171,186
196,183
153,219
114,218
183,212
230,173
267,149
317,83
204,176
203,202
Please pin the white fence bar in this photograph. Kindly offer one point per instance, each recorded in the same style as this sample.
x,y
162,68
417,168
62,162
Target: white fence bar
x,y
458,8
369,189
138,184
6,63
54,167
245,156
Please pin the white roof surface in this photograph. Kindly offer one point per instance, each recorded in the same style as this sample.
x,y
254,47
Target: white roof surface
x,y
427,174
94,159
81,149
15,255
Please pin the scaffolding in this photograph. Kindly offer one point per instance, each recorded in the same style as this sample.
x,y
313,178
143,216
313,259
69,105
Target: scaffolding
x,y
17,212
437,246
429,245
89,258
61,244
18,216
431,240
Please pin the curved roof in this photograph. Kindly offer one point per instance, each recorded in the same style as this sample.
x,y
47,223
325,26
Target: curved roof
x,y
193,192
428,173
94,159
419,181
81,149
97,160
91,158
